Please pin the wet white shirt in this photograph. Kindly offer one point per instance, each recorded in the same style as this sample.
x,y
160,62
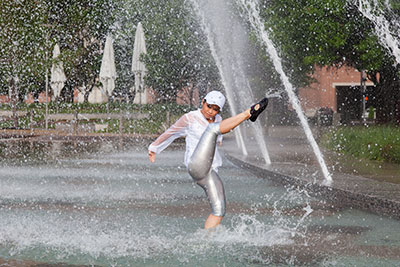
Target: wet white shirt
x,y
192,125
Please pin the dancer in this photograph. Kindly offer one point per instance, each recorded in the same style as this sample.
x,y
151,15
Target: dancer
x,y
203,128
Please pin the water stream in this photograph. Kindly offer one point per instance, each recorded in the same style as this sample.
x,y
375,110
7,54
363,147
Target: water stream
x,y
251,8
382,26
227,41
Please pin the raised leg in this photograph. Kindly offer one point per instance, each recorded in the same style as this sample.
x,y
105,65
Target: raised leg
x,y
231,123
252,113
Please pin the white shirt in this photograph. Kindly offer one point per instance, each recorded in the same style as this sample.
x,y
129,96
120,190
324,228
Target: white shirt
x,y
192,125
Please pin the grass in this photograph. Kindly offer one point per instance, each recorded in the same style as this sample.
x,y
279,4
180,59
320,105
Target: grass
x,y
156,122
380,143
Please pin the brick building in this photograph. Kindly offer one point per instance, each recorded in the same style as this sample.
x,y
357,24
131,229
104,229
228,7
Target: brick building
x,y
338,89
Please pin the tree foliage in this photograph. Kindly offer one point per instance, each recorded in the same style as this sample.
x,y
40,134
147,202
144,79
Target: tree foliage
x,y
177,52
80,27
177,56
20,33
313,33
30,29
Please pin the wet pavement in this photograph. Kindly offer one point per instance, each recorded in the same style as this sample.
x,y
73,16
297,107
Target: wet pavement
x,y
362,184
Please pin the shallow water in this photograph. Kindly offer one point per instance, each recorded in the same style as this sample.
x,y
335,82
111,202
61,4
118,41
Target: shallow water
x,y
108,206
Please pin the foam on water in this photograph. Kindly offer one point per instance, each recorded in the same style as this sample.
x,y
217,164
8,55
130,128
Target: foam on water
x,y
66,235
70,235
86,215
246,229
157,221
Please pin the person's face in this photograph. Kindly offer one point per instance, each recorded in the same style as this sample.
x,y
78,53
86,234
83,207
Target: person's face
x,y
209,111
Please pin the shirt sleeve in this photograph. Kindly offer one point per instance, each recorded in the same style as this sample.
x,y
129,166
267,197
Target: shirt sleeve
x,y
178,129
219,138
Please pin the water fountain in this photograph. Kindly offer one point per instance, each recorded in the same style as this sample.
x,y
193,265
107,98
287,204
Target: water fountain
x,y
113,208
382,26
98,205
222,28
93,203
254,18
224,80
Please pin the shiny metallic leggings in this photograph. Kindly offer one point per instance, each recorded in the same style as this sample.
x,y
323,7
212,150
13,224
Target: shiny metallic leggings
x,y
200,169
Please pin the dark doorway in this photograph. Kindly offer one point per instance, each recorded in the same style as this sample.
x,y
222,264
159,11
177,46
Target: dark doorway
x,y
349,102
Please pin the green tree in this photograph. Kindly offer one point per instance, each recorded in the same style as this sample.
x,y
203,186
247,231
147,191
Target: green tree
x,y
29,30
21,49
21,45
313,33
177,52
80,27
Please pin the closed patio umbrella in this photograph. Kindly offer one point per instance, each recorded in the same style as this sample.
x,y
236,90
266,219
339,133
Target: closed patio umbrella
x,y
138,67
58,78
108,73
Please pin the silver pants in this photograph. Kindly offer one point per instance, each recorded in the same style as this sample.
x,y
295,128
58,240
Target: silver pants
x,y
200,169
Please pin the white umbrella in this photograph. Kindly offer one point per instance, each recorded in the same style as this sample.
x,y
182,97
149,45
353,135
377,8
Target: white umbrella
x,y
58,78
138,67
108,74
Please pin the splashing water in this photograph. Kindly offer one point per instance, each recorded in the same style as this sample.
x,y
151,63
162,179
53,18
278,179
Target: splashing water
x,y
382,26
254,18
246,96
229,64
207,31
251,231
116,209
113,210
308,210
274,95
94,237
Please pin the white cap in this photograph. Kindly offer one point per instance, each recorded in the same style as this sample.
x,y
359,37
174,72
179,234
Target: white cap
x,y
215,98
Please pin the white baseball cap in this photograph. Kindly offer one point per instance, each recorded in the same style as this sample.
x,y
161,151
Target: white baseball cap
x,y
215,98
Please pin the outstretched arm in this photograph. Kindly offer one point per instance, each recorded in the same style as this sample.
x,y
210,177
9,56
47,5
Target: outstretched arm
x,y
178,129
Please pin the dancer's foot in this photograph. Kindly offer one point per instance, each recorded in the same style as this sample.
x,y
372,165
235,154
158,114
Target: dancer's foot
x,y
256,109
212,221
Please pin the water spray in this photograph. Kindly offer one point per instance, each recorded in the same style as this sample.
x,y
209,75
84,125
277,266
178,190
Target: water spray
x,y
382,26
258,26
207,31
231,72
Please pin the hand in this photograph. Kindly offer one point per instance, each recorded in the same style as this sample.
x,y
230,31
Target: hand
x,y
152,156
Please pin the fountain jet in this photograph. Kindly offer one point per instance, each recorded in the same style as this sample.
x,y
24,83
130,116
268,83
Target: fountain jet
x,y
227,41
382,26
258,26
